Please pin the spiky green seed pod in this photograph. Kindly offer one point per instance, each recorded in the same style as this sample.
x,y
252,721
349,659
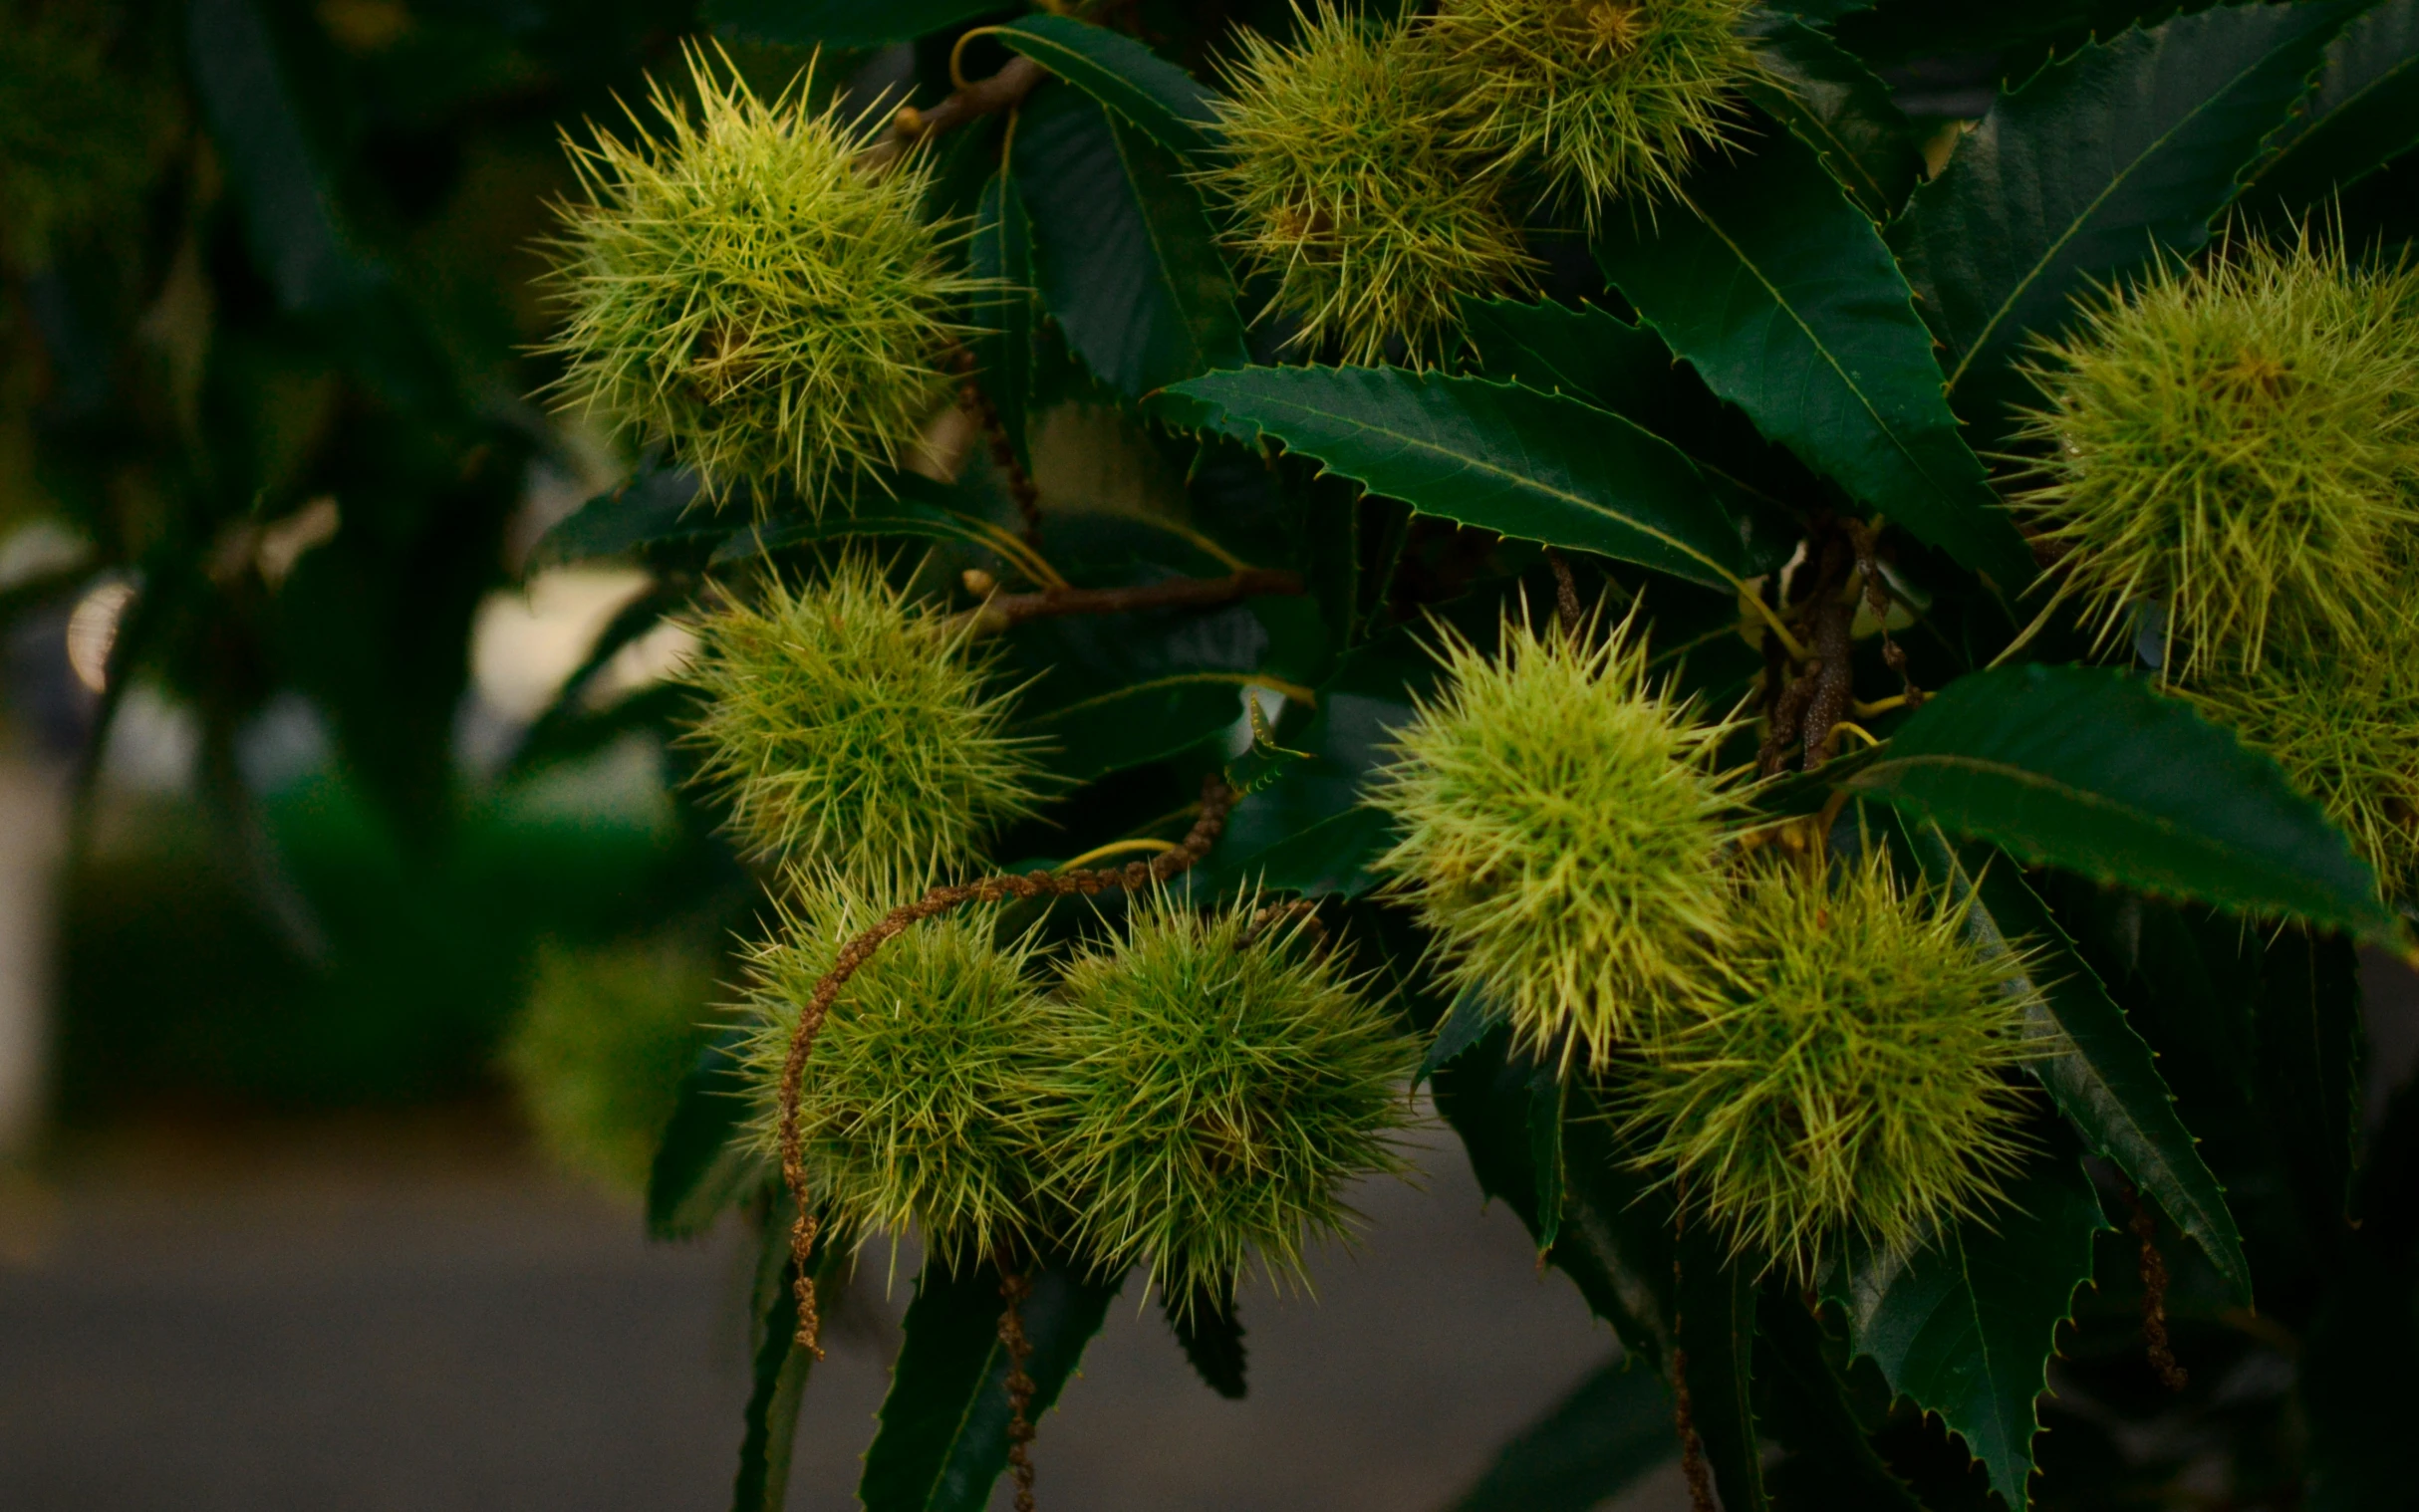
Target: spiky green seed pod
x,y
1606,98
919,1105
597,1052
1561,831
737,287
1218,1085
2342,721
845,724
1855,1086
2233,441
1343,183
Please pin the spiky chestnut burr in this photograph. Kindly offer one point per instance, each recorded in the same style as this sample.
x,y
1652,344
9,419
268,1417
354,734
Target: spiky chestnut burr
x,y
2234,440
923,1105
1854,1084
1219,1080
1560,828
844,724
2342,721
597,1051
1343,184
1606,100
738,286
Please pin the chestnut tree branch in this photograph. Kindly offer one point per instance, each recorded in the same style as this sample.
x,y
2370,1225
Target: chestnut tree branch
x,y
1003,90
1007,610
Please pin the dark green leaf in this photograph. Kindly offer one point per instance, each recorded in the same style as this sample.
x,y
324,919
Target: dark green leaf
x,y
701,1169
1964,1326
2309,1049
289,211
2358,1390
2364,111
2087,769
919,508
1835,105
1593,1444
1331,856
1471,1019
2105,1081
1716,1353
1594,356
1140,722
1495,455
1615,1241
1800,1402
1168,103
779,1367
839,23
655,506
2082,176
1547,1097
1212,1336
1123,251
1002,249
1782,296
943,1438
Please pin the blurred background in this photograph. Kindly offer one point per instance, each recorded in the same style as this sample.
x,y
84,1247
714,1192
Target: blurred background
x,y
338,831
342,839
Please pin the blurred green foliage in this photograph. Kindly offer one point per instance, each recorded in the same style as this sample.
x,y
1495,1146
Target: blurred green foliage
x,y
259,256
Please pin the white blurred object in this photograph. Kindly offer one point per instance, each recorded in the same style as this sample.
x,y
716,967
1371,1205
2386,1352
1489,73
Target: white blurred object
x,y
91,630
525,644
33,831
154,744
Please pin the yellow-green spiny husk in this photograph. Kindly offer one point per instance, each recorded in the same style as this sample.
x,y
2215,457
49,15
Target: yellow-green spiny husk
x,y
2234,441
1343,184
600,1048
1606,100
1218,1083
738,286
2342,721
1854,1084
1560,828
922,1104
844,724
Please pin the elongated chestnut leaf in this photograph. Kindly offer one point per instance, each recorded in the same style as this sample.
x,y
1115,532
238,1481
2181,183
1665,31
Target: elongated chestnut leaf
x,y
1783,297
1966,1324
1169,106
2364,111
2087,769
2103,1074
1497,455
1123,251
2085,171
1834,105
943,1438
1587,1448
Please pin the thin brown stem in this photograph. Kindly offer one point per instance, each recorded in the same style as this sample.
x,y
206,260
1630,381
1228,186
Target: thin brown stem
x,y
1692,1448
1834,675
1014,1288
2145,1226
1003,90
1021,485
1009,609
1567,593
1217,800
